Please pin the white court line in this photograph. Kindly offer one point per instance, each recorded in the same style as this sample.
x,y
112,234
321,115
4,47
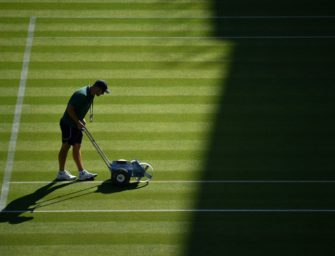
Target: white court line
x,y
178,211
195,181
194,17
189,37
17,115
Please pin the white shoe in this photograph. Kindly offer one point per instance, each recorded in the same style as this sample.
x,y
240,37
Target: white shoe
x,y
85,175
65,175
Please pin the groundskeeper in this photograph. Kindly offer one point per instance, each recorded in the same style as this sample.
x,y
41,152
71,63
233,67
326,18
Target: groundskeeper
x,y
72,124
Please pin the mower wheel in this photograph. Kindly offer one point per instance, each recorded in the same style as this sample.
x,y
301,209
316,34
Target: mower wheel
x,y
120,177
148,171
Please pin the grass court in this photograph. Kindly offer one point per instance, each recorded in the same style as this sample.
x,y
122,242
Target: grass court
x,y
232,103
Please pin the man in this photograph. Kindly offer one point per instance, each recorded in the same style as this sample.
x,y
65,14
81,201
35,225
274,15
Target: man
x,y
72,123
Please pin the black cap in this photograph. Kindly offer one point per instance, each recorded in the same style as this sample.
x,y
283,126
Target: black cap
x,y
103,85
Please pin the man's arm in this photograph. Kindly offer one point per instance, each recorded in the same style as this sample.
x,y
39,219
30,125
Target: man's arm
x,y
74,117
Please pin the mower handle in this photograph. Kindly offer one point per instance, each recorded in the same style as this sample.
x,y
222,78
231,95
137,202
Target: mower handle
x,y
97,147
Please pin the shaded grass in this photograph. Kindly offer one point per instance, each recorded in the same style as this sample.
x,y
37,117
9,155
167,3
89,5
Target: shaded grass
x,y
277,95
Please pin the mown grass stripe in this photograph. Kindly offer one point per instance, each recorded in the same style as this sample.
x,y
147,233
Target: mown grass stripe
x,y
129,118
119,227
13,33
111,135
104,1
10,27
10,57
14,41
93,13
109,74
111,48
123,33
119,154
130,100
99,239
177,144
153,249
169,6
94,27
122,83
210,56
149,91
115,24
44,166
134,135
154,66
101,1
109,42
121,109
10,66
159,127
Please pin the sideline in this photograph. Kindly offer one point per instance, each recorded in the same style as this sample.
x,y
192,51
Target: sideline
x,y
17,114
237,210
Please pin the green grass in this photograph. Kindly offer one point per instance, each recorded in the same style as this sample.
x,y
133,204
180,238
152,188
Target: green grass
x,y
193,104
164,96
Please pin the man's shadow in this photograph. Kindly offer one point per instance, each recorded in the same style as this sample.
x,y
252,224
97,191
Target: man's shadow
x,y
14,211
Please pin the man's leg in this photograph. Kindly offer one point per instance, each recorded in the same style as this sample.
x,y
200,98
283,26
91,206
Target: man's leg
x,y
63,155
76,152
83,174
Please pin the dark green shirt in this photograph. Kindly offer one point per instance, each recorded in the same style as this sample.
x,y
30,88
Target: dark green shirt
x,y
81,101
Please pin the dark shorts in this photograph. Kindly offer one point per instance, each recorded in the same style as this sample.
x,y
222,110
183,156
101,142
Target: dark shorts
x,y
71,135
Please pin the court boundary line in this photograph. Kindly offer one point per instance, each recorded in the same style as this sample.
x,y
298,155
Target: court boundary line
x,y
17,114
197,17
209,210
192,181
188,37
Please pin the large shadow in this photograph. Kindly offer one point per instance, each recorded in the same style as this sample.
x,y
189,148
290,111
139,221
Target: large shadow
x,y
276,122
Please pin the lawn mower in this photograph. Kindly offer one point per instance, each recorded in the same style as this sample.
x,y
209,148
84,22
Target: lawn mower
x,y
123,170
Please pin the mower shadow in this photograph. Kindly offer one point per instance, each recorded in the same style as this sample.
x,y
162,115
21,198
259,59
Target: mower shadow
x,y
107,187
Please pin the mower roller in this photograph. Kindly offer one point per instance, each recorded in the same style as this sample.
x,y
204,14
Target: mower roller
x,y
123,170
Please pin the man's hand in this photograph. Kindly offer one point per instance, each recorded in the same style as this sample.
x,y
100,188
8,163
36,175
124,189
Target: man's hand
x,y
81,125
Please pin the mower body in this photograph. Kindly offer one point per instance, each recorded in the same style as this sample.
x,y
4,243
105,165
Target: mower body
x,y
122,171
